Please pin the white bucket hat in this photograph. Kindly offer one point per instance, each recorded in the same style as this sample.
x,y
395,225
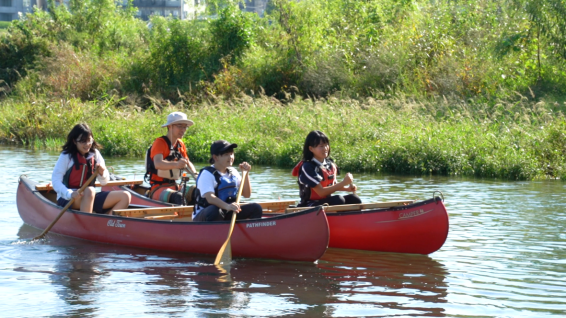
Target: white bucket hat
x,y
177,118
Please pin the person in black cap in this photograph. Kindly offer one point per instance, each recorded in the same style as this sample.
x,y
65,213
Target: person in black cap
x,y
217,187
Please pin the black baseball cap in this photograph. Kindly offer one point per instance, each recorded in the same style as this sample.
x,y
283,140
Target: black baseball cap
x,y
221,146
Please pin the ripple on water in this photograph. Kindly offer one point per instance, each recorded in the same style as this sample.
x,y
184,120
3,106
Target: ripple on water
x,y
504,257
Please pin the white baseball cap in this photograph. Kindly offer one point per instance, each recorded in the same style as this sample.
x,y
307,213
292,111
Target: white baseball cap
x,y
177,118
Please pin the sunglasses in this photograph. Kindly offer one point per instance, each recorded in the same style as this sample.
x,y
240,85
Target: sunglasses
x,y
88,142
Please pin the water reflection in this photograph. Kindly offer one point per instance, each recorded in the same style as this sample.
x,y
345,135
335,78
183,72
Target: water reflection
x,y
84,274
386,282
77,275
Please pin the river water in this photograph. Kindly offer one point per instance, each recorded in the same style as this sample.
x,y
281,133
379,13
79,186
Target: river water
x,y
505,256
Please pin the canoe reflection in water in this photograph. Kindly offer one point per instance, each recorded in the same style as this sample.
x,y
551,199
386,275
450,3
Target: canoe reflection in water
x,y
390,283
91,278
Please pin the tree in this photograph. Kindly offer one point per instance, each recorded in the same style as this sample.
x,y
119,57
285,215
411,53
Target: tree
x,y
547,19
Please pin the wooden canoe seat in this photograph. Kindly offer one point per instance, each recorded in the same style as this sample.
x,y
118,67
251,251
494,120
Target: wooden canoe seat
x,y
48,186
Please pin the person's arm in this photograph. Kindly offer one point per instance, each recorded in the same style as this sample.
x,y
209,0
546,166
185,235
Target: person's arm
x,y
312,179
212,199
192,168
57,177
340,186
162,164
247,190
103,174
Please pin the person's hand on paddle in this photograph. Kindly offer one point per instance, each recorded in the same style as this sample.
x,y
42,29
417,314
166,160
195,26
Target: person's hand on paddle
x,y
351,188
233,207
348,179
77,195
244,166
182,163
100,169
349,183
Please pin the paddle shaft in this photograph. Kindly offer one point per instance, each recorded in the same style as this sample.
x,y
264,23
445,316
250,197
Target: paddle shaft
x,y
232,223
86,184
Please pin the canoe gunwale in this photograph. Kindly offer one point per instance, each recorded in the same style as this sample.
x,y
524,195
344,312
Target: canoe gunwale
x,y
30,184
389,209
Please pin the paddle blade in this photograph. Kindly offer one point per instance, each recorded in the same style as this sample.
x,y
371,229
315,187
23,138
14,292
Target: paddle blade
x,y
226,257
225,254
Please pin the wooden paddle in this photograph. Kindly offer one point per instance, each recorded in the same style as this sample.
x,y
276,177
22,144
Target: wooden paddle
x,y
86,184
226,249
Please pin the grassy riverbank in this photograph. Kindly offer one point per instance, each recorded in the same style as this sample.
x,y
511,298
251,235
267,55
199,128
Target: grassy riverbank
x,y
422,87
518,140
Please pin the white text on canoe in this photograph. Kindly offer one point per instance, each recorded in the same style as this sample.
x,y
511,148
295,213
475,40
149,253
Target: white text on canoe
x,y
115,223
412,214
262,224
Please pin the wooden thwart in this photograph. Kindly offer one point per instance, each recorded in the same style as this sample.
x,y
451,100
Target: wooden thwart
x,y
163,213
48,186
183,211
145,212
356,207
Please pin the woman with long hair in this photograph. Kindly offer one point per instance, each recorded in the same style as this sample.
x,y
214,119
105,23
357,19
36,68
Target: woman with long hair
x,y
78,161
317,175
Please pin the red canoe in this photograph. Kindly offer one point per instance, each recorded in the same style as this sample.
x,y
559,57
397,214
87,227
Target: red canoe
x,y
299,237
418,228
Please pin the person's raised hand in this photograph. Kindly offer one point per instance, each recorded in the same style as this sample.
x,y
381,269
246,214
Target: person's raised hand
x,y
244,166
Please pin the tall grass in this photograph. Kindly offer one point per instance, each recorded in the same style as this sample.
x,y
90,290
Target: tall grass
x,y
521,140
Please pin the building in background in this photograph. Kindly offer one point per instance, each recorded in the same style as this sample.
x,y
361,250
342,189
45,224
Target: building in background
x,y
256,6
183,9
12,9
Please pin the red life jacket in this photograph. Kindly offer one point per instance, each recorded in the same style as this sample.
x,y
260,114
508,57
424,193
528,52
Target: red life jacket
x,y
82,169
328,173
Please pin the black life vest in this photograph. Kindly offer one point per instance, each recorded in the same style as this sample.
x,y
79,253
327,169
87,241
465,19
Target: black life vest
x,y
225,189
150,170
82,169
328,172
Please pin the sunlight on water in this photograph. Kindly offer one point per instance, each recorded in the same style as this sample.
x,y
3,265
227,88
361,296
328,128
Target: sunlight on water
x,y
505,257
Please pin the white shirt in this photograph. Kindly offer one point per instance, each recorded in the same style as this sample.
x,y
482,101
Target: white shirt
x,y
64,163
207,183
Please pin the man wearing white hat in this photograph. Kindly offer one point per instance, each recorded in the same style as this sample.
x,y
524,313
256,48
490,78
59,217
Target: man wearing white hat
x,y
167,158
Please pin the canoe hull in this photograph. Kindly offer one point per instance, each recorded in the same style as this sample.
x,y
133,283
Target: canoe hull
x,y
302,238
420,228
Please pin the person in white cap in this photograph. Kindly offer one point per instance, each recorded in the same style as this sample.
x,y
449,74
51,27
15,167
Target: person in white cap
x,y
167,158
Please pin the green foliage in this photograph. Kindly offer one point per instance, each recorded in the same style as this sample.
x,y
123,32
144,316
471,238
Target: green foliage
x,y
177,52
471,49
232,34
